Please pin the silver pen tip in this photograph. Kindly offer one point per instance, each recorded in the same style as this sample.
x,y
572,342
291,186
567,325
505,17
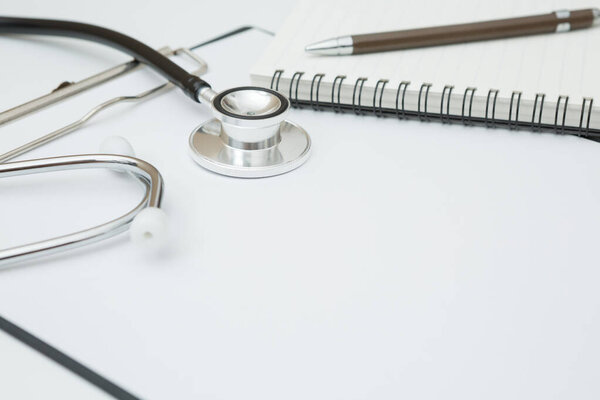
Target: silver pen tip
x,y
331,47
596,12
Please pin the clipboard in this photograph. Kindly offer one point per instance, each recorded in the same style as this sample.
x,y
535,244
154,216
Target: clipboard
x,y
16,345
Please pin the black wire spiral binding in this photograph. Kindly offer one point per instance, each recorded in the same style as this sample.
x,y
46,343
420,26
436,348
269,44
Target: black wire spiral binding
x,y
424,116
542,97
589,101
560,98
294,101
402,86
315,104
378,111
339,104
423,113
510,111
361,82
448,89
277,74
468,90
492,122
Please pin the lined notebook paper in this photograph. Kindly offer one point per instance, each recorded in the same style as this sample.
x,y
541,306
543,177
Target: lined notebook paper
x,y
546,81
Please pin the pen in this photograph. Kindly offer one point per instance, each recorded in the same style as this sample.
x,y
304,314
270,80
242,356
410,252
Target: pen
x,y
554,22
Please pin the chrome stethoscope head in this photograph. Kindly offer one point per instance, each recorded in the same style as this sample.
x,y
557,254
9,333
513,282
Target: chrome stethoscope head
x,y
249,136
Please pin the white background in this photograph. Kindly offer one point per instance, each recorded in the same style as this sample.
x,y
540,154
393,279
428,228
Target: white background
x,y
404,260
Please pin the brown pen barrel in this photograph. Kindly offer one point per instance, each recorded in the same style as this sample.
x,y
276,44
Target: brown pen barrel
x,y
470,32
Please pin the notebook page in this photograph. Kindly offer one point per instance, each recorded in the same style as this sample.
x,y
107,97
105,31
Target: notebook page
x,y
554,64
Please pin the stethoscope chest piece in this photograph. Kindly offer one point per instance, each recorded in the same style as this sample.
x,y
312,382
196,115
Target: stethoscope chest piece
x,y
249,138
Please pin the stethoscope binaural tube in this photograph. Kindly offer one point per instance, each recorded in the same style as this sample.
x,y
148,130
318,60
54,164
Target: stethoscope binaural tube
x,y
191,84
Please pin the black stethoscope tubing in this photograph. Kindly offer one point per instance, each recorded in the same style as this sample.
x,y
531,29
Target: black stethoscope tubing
x,y
190,84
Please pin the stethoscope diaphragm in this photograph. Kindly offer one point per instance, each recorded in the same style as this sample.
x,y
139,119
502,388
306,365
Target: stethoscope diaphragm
x,y
249,136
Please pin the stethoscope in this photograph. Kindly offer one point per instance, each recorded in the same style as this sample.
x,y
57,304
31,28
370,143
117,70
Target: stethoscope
x,y
248,137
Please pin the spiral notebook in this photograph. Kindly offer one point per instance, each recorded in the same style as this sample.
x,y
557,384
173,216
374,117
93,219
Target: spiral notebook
x,y
543,82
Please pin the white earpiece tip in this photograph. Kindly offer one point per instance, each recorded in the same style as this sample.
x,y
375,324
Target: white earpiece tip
x,y
149,227
116,145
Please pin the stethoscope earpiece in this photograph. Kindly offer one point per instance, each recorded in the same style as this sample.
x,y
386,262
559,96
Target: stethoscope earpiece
x,y
117,145
149,226
249,136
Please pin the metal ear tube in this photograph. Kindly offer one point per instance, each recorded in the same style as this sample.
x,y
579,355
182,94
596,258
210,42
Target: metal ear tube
x,y
147,220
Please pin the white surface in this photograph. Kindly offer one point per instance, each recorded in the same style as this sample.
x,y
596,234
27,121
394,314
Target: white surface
x,y
554,64
404,260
